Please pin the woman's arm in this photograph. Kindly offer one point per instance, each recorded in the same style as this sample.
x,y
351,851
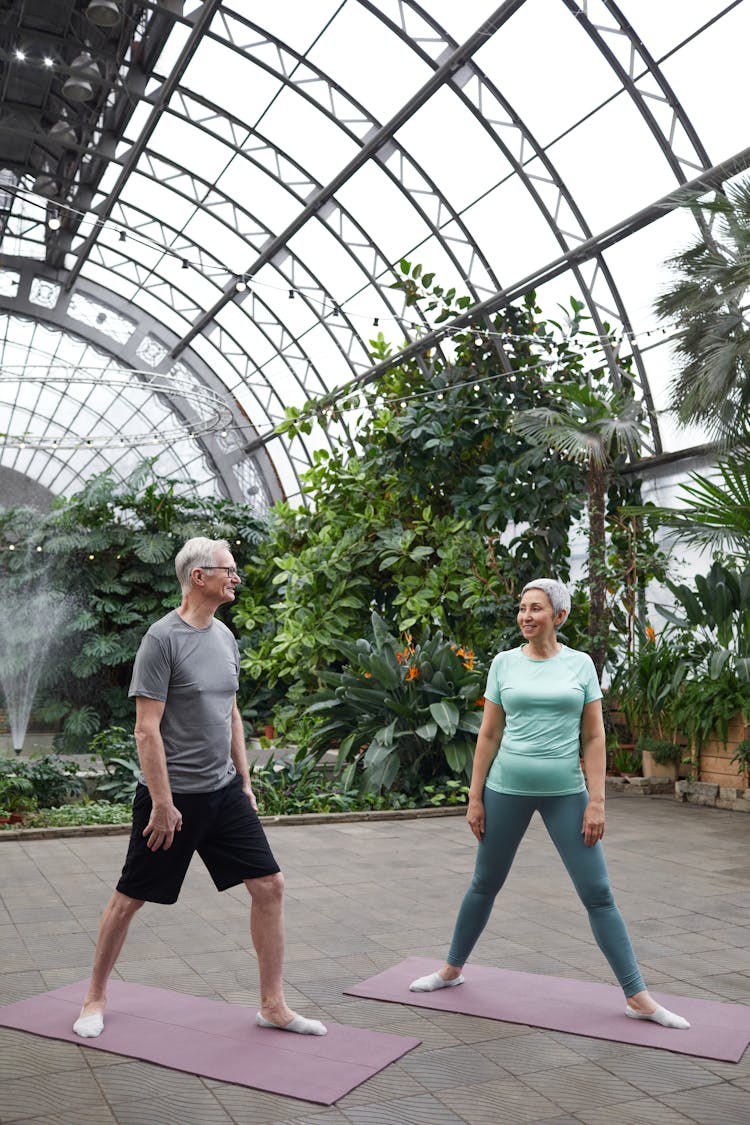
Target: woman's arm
x,y
488,744
595,765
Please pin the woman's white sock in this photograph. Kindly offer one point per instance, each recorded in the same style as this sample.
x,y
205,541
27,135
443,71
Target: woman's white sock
x,y
662,1016
432,982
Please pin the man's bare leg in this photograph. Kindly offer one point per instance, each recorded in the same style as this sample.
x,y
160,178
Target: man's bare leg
x,y
113,929
267,933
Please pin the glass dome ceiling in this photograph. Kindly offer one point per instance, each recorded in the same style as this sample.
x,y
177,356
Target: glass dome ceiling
x,y
226,207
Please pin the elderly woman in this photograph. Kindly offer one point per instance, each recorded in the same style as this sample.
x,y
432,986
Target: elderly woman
x,y
542,707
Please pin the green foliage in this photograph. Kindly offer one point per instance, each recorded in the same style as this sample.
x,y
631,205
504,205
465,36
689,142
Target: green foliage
x,y
115,748
16,792
707,302
79,815
47,778
431,520
626,762
714,512
647,683
401,712
708,704
742,754
295,786
590,424
715,610
108,552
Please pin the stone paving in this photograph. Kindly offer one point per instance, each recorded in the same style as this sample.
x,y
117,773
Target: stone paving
x,y
361,896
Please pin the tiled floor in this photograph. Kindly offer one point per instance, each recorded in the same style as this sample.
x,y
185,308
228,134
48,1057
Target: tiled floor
x,y
361,896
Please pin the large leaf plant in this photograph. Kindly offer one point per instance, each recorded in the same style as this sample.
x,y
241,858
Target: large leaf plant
x,y
401,712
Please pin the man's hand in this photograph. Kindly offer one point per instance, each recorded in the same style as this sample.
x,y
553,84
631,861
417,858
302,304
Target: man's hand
x,y
247,789
164,821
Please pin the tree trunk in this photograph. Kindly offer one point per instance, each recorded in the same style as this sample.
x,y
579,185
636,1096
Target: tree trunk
x,y
598,613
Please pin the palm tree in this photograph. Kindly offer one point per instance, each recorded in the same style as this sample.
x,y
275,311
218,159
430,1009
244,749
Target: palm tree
x,y
708,304
715,511
592,427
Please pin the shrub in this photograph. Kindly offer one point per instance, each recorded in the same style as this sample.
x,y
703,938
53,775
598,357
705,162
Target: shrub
x,y
399,712
116,750
51,780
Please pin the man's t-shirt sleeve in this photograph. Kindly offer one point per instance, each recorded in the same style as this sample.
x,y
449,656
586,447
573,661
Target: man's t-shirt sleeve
x,y
151,670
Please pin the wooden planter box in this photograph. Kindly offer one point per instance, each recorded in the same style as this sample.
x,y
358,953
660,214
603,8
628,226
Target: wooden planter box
x,y
716,766
652,768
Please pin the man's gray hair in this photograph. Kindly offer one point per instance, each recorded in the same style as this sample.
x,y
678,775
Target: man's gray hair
x,y
199,551
556,591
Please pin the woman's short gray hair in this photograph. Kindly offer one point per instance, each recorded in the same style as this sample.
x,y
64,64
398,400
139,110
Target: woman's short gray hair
x,y
199,551
556,591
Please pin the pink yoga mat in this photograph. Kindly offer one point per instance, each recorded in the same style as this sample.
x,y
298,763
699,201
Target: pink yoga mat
x,y
718,1030
215,1040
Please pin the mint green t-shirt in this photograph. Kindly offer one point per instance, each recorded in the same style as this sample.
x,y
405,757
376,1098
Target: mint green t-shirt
x,y
543,701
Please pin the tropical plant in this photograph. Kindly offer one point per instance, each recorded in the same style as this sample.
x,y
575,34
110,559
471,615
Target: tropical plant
x,y
400,711
49,779
591,425
714,512
647,683
108,551
16,793
707,705
427,516
115,748
741,756
716,610
708,305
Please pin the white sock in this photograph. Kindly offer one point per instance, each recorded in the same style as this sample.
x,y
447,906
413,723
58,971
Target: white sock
x,y
432,982
661,1015
299,1025
89,1027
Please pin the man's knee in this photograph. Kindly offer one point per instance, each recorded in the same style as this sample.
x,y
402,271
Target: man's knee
x,y
268,890
123,907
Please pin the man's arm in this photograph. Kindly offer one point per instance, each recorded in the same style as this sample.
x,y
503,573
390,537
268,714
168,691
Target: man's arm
x,y
239,753
165,819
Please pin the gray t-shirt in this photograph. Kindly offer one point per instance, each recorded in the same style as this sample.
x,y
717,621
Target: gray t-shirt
x,y
195,672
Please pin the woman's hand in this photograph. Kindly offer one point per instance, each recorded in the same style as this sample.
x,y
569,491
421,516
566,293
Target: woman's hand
x,y
475,816
593,823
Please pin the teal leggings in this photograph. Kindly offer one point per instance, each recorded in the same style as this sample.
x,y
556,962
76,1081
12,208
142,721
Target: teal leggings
x,y
506,820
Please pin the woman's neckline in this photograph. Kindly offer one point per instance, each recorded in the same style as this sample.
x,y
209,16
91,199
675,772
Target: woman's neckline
x,y
541,659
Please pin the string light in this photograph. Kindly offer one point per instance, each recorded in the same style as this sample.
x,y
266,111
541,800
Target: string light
x,y
612,338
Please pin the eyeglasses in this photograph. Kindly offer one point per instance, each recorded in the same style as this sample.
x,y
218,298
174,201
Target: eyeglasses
x,y
232,571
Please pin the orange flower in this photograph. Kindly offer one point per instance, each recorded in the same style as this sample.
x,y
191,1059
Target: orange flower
x,y
650,634
412,673
480,702
368,675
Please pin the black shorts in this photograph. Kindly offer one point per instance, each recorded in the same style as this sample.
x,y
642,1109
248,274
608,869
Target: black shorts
x,y
222,827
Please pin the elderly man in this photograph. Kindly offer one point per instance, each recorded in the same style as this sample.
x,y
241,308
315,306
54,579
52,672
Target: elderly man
x,y
194,793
